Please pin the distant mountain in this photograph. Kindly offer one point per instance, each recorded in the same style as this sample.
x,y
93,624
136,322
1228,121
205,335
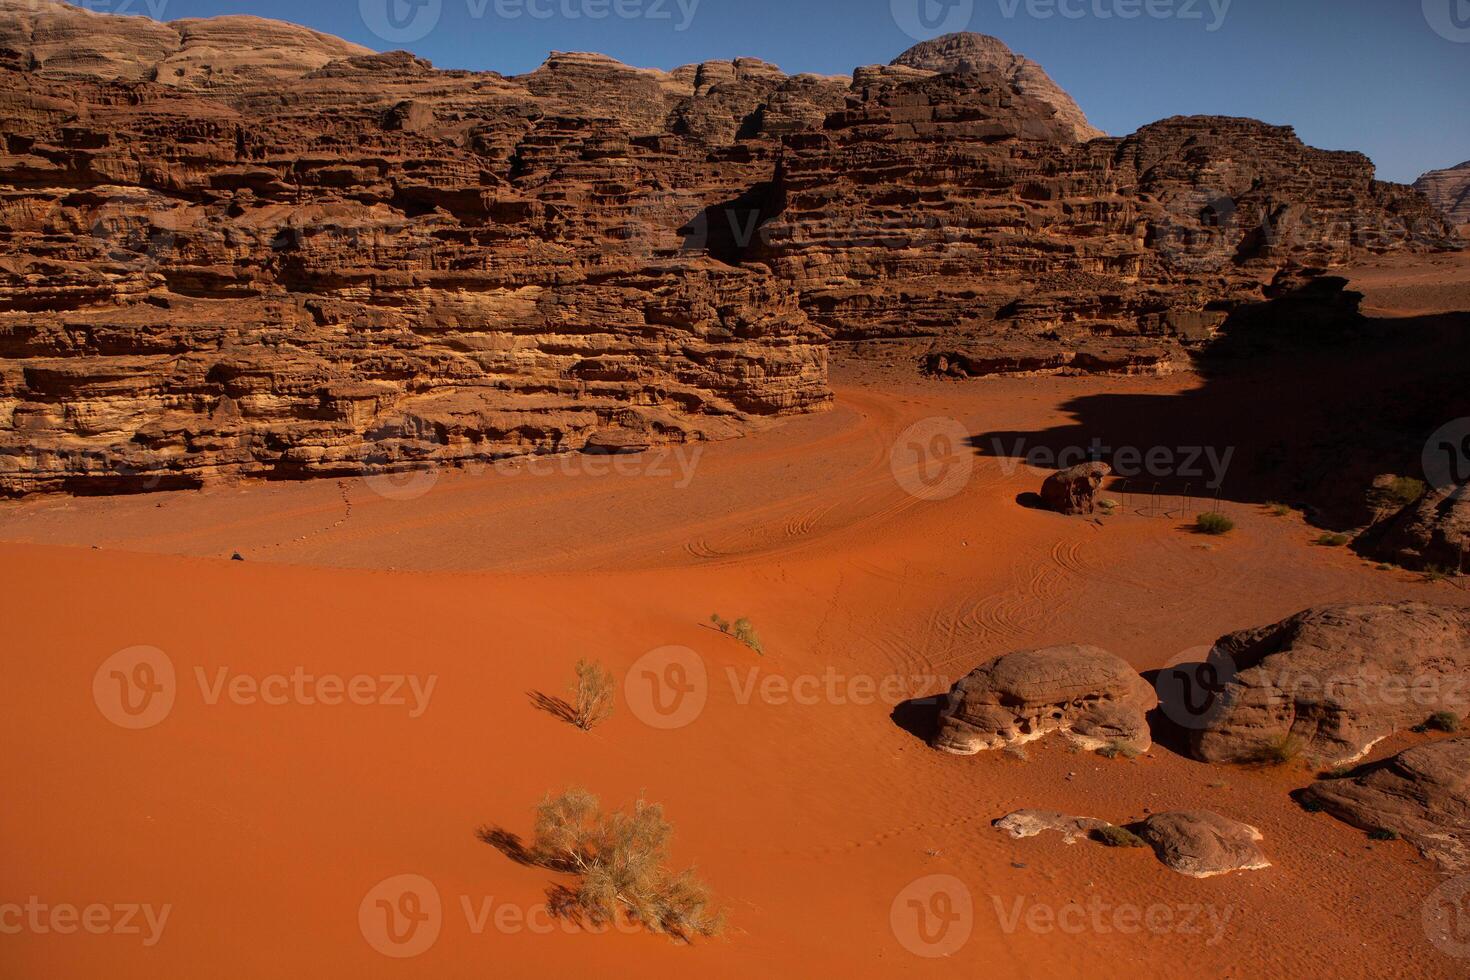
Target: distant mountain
x,y
965,52
1449,190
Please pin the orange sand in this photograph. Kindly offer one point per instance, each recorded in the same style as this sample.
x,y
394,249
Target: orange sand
x,y
264,827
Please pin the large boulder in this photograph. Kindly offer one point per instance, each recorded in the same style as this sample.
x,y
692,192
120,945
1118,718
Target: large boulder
x,y
1202,844
1422,794
1433,532
1333,681
1074,490
1082,692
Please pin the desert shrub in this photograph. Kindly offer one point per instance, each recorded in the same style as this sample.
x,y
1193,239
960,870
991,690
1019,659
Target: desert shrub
x,y
620,860
1278,510
593,695
1117,747
745,633
1383,833
723,625
1277,750
1333,540
1443,721
1213,523
1397,494
1119,837
1438,573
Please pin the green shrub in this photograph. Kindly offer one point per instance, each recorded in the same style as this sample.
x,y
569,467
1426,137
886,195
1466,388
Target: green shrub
x,y
1214,523
1383,833
723,625
1397,494
1443,721
1333,540
1117,747
1279,510
620,860
1119,837
1277,750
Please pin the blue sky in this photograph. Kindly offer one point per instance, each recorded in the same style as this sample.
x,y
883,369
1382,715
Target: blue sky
x,y
1388,77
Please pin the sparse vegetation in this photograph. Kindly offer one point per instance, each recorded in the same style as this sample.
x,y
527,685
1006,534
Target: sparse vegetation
x,y
620,859
593,695
1397,494
1333,540
1443,721
1383,833
1438,573
1119,837
1278,510
1278,750
1117,747
741,630
1213,523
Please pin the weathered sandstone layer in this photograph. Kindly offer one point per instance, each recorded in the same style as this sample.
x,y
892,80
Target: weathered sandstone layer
x,y
236,247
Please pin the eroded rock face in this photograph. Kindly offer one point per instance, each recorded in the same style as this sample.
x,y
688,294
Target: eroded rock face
x,y
236,247
1432,533
1449,191
965,52
1336,680
1074,490
1423,794
1202,844
1082,692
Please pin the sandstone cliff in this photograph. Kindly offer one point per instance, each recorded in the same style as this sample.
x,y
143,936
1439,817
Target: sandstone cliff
x,y
1448,190
241,248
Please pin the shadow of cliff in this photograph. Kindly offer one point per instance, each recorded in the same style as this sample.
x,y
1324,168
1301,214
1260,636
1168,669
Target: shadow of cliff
x,y
1303,400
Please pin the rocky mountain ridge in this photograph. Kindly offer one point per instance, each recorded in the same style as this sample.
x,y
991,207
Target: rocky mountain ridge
x,y
206,273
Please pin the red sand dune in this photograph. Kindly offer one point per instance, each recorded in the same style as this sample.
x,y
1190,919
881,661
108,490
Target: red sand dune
x,y
264,829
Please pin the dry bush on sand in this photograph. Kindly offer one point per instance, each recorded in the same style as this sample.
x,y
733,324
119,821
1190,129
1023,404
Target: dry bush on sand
x,y
592,695
620,858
